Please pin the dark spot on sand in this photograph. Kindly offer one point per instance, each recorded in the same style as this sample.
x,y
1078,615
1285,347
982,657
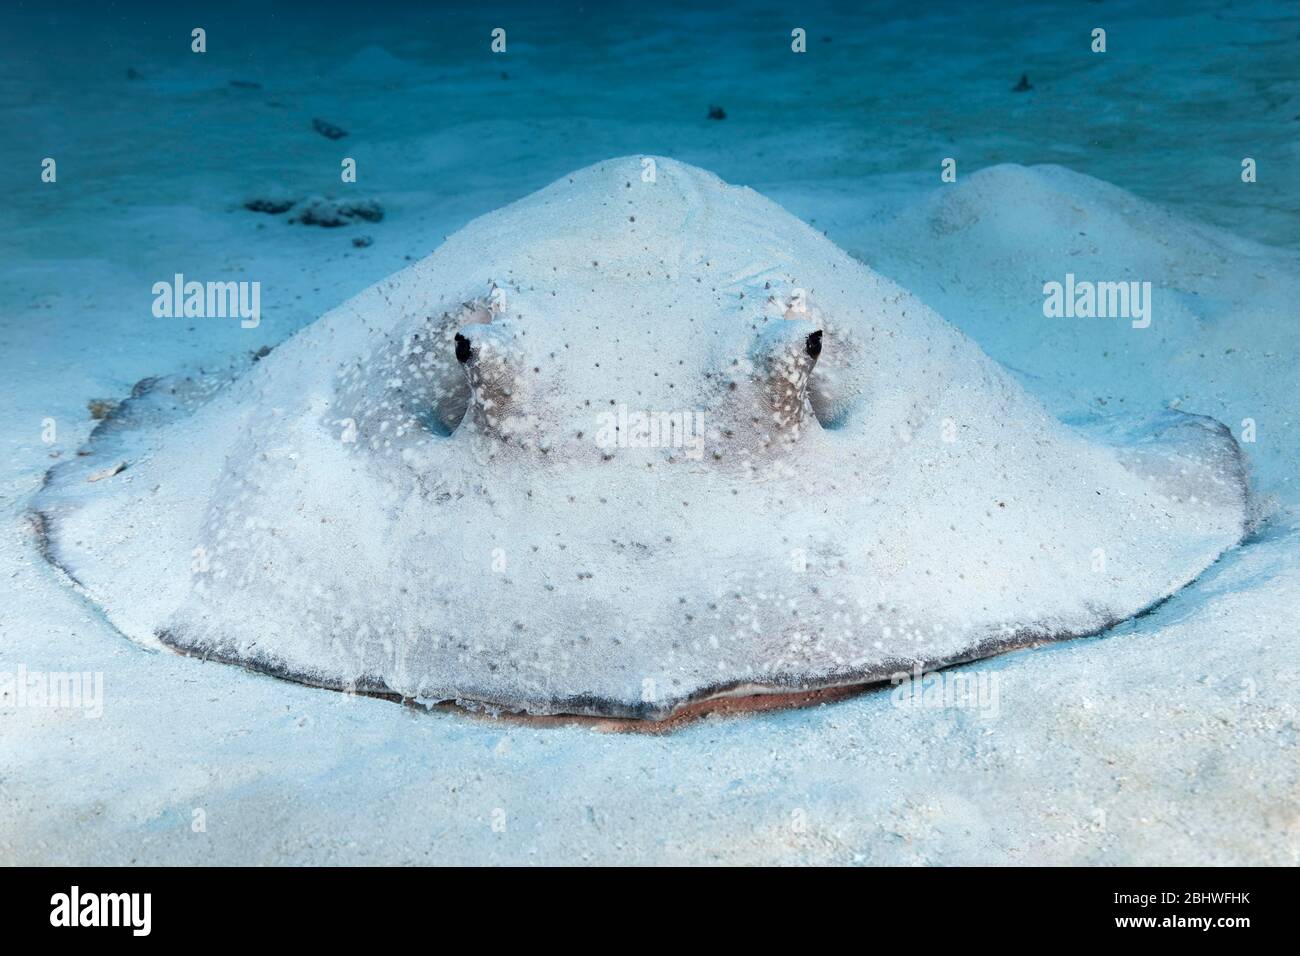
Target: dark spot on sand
x,y
331,213
101,408
272,206
328,130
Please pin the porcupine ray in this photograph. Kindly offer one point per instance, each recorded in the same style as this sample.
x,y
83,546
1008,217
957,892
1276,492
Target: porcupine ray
x,y
637,441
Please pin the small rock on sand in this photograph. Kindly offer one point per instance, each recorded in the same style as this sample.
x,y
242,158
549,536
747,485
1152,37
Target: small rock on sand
x,y
272,205
108,472
319,211
328,130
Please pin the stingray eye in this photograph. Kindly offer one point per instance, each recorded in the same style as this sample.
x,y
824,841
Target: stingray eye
x,y
463,350
490,359
813,345
783,358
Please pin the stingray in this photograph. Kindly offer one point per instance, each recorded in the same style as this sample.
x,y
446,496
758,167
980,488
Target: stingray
x,y
637,441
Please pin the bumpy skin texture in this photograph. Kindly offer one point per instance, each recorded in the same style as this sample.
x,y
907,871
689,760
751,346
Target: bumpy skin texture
x,y
441,490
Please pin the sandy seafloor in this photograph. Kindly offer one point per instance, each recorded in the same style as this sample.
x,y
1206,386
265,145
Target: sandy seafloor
x,y
1171,739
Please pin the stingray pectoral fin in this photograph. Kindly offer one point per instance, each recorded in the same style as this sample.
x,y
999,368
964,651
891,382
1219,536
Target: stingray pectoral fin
x,y
1190,458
